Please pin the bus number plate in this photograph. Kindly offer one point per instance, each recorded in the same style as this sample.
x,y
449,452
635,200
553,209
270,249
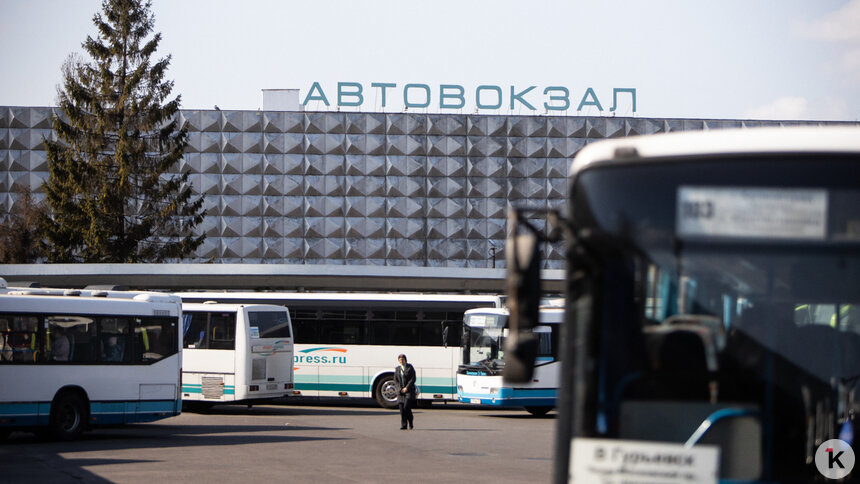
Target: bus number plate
x,y
271,386
474,400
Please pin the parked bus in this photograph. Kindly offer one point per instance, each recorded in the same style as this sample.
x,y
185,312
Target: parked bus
x,y
76,361
235,353
479,377
744,244
346,344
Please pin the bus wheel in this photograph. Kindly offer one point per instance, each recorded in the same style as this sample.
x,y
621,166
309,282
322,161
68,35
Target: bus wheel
x,y
386,391
538,411
68,416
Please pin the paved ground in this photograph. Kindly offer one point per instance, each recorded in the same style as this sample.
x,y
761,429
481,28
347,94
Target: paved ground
x,y
293,443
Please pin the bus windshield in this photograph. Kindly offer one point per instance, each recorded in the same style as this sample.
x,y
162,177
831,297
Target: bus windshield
x,y
485,340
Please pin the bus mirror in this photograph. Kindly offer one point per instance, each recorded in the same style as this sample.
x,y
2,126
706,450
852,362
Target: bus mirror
x,y
523,282
445,336
520,353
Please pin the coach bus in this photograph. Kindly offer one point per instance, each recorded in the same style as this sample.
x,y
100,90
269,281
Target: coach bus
x,y
346,344
742,244
479,377
72,362
235,353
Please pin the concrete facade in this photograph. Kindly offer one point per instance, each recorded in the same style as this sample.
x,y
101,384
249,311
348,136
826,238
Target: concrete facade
x,y
382,189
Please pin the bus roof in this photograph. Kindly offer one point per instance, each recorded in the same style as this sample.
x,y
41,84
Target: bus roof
x,y
815,139
267,297
15,301
230,307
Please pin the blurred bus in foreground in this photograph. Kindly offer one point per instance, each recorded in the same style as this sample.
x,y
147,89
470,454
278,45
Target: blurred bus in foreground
x,y
712,328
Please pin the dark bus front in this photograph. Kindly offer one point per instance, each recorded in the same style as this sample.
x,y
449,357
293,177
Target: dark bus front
x,y
721,291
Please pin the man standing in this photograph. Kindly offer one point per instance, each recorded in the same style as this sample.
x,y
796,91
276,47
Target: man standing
x,y
404,378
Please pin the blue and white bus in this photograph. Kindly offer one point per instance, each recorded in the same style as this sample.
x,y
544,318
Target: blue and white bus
x,y
346,344
235,353
72,362
479,377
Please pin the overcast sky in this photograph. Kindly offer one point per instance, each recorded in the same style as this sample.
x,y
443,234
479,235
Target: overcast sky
x,y
763,59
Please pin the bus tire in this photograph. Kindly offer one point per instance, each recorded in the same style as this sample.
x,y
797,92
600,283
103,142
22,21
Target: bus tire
x,y
68,416
385,391
538,411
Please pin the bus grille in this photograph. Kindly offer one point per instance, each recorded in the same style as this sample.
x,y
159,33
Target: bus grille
x,y
213,387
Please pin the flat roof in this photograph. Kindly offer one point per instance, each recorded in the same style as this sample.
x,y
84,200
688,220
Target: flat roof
x,y
287,277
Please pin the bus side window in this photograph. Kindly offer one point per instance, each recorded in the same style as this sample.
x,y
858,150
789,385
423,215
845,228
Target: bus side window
x,y
114,339
5,338
305,331
195,335
223,331
21,339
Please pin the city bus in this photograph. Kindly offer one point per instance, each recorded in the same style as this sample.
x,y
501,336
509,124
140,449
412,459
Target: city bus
x,y
72,362
346,344
711,325
235,353
479,377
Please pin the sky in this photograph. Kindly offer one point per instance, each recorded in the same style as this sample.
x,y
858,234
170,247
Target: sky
x,y
715,59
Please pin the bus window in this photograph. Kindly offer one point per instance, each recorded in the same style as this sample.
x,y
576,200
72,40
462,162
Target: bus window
x,y
58,338
155,339
114,342
270,324
5,338
196,330
306,331
19,338
223,331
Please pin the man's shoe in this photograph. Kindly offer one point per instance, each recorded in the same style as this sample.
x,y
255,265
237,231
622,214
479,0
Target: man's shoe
x,y
403,428
410,426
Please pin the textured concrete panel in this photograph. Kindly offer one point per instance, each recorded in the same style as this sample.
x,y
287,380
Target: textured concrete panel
x,y
399,189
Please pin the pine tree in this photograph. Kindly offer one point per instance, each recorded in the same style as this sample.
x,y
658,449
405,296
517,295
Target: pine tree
x,y
19,233
111,196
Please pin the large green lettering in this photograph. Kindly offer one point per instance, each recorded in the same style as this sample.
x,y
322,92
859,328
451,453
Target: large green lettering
x,y
310,97
565,99
342,92
406,89
519,97
460,96
615,92
384,86
481,105
585,102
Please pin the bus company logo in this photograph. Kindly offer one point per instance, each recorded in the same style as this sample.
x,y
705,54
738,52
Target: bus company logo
x,y
313,355
834,459
269,350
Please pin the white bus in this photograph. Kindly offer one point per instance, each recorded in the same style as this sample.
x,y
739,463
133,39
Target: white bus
x,y
346,344
479,377
69,363
741,244
235,353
